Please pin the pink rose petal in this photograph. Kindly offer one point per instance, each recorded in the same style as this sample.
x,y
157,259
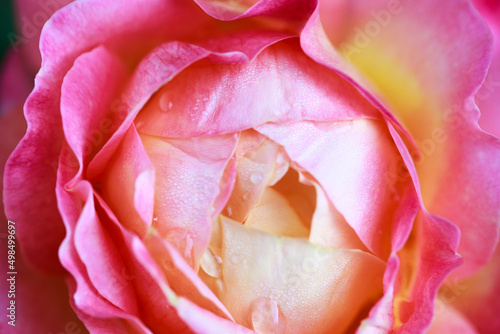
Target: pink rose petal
x,y
203,321
87,94
352,161
188,175
96,250
289,10
76,28
406,304
477,296
128,184
162,64
87,297
141,270
431,91
307,92
450,321
487,97
183,280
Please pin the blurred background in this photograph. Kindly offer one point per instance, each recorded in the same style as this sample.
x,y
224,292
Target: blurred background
x,y
6,25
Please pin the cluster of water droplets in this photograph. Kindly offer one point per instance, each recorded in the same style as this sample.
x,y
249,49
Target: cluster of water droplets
x,y
199,104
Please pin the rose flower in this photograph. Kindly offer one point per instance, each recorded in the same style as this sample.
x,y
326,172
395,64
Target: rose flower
x,y
267,166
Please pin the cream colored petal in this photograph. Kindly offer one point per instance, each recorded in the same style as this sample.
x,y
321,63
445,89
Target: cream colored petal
x,y
329,228
299,192
273,214
260,162
307,288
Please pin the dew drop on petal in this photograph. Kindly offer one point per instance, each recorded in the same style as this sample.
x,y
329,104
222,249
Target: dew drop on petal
x,y
210,264
168,265
189,247
256,178
165,104
219,286
245,196
229,211
266,316
280,159
139,124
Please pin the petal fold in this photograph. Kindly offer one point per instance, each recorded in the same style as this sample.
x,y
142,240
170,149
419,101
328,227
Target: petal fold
x,y
353,161
430,91
218,90
188,176
296,278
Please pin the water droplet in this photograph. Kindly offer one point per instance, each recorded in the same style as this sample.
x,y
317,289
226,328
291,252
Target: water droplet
x,y
256,178
219,285
229,211
245,196
155,219
189,247
167,264
236,258
139,124
280,158
297,107
165,103
210,264
267,317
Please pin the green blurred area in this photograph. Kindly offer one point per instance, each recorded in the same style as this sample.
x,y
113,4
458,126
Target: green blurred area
x,y
6,25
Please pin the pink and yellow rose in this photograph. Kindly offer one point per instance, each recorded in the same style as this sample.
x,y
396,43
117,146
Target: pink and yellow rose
x,y
272,166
